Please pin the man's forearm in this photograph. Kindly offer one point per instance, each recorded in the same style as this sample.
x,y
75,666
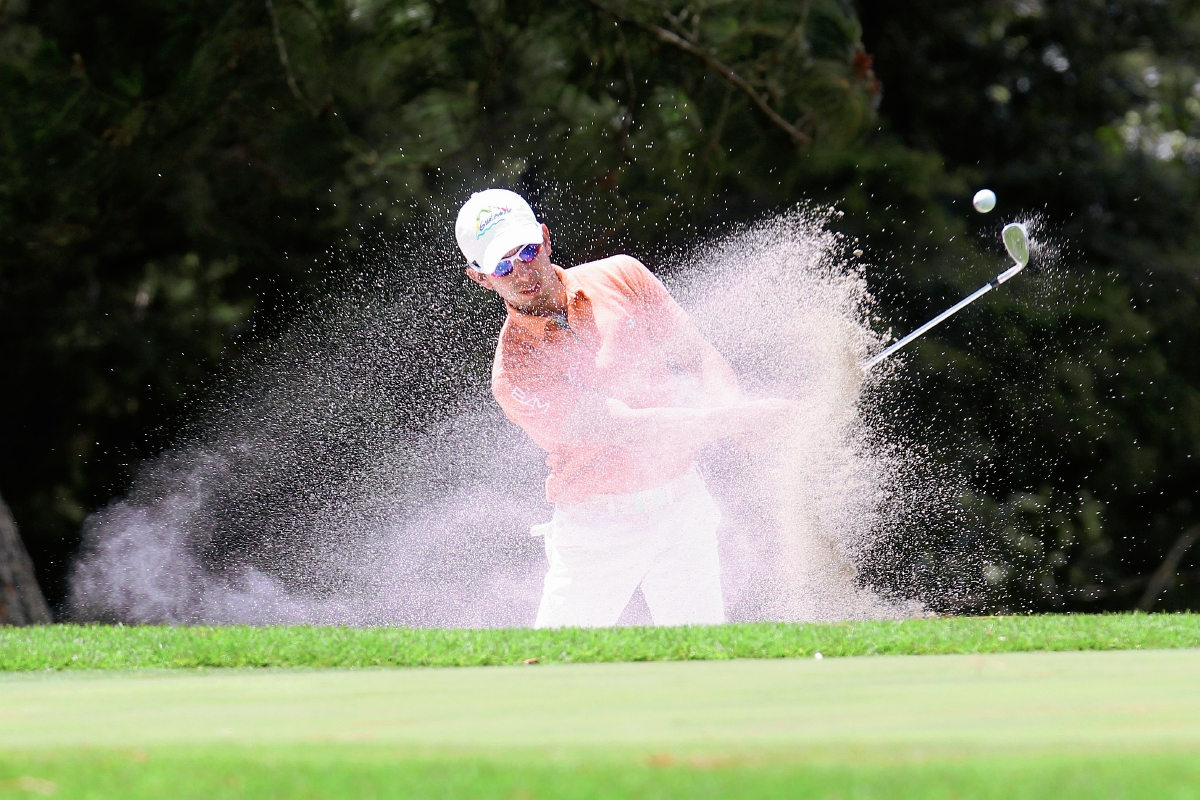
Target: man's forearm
x,y
610,421
665,427
718,378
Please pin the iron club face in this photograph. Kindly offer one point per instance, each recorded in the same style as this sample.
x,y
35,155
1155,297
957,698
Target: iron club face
x,y
1016,242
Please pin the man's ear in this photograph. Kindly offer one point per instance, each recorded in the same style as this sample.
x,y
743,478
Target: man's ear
x,y
479,277
546,239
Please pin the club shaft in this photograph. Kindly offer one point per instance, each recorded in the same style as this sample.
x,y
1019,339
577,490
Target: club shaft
x,y
940,318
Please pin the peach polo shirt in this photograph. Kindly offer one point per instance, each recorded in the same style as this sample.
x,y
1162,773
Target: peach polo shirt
x,y
619,317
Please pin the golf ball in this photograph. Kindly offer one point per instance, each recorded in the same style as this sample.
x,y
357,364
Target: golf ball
x,y
985,200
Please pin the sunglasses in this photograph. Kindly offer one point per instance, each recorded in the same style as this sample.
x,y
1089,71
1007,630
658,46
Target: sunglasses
x,y
526,254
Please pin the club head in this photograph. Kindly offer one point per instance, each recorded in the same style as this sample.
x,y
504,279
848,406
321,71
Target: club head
x,y
1016,242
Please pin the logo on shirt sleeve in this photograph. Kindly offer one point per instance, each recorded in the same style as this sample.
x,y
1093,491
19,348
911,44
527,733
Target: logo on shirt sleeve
x,y
529,399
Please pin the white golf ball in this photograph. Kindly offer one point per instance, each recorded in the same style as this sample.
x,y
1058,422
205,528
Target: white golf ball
x,y
985,201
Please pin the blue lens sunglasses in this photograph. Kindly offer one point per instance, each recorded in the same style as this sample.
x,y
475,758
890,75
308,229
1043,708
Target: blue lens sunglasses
x,y
526,254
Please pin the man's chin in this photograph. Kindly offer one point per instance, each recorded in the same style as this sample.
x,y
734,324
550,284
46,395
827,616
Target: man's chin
x,y
529,303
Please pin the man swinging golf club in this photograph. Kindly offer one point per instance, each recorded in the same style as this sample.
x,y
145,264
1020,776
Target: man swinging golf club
x,y
589,363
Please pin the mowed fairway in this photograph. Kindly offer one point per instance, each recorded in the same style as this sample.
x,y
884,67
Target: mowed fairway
x,y
1112,724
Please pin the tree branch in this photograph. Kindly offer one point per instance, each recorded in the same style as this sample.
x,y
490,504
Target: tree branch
x,y
1170,565
798,136
283,59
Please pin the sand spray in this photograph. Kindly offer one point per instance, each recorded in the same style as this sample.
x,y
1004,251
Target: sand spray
x,y
356,471
791,316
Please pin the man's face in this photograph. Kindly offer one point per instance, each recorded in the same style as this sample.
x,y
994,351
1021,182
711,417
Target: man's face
x,y
532,287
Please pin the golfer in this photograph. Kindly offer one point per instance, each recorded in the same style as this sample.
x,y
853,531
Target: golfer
x,y
592,364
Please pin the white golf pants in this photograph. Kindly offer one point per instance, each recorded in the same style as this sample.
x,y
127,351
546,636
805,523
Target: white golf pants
x,y
663,540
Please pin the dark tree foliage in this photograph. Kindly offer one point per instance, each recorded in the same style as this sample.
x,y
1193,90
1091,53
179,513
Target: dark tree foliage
x,y
174,175
1084,411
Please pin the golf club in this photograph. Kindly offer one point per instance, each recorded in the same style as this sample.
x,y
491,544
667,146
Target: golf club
x,y
1016,242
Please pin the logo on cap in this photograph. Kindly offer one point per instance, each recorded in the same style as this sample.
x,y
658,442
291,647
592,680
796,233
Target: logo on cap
x,y
487,217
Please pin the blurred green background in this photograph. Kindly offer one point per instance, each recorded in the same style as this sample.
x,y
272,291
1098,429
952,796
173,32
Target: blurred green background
x,y
174,175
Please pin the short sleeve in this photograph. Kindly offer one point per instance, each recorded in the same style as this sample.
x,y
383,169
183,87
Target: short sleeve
x,y
663,314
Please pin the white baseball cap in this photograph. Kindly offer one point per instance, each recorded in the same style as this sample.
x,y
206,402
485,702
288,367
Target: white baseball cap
x,y
492,223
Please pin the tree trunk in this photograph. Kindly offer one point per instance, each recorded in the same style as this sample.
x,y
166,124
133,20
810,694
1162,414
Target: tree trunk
x,y
21,601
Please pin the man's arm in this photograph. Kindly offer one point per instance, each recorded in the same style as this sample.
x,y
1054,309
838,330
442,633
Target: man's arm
x,y
679,339
605,420
691,353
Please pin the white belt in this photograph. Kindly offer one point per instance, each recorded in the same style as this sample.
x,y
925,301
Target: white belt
x,y
645,500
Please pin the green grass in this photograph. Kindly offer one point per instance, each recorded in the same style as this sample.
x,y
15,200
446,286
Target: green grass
x,y
61,647
102,712
938,703
220,774
1029,725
